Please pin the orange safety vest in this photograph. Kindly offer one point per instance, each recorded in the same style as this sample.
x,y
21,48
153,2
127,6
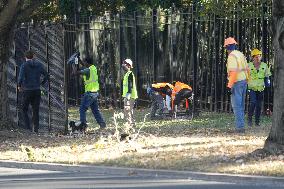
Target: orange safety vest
x,y
162,85
178,87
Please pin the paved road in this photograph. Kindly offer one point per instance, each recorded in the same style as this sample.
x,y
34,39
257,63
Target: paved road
x,y
47,176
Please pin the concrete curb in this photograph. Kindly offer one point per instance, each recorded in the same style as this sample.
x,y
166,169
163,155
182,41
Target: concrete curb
x,y
219,177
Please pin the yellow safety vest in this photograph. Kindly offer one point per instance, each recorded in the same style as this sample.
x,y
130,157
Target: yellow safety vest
x,y
256,81
92,83
134,94
237,62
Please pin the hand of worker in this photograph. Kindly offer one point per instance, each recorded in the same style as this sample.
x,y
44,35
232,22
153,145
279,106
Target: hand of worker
x,y
127,96
230,85
20,89
267,82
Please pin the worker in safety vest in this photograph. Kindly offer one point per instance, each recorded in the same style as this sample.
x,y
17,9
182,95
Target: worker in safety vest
x,y
90,97
129,93
238,74
259,79
180,92
157,91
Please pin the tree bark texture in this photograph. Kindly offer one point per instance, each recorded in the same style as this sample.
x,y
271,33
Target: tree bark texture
x,y
4,50
275,140
7,23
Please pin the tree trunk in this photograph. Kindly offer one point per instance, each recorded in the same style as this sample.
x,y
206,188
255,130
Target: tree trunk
x,y
8,17
275,140
4,55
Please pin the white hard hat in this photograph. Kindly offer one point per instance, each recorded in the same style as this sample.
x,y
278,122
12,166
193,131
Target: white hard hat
x,y
129,61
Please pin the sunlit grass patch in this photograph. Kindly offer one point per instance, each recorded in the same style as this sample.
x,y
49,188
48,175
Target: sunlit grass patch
x,y
202,144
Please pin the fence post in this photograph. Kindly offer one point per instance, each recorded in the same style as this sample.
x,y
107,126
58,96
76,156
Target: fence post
x,y
120,59
76,21
135,55
48,72
104,58
171,44
16,77
193,54
154,20
65,84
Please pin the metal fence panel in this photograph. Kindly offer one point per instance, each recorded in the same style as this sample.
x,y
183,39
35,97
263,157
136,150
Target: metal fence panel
x,y
47,43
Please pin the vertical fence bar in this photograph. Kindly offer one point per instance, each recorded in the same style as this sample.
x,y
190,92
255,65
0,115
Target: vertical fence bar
x,y
16,78
120,59
48,71
135,53
154,18
193,57
215,64
222,36
171,45
104,58
65,84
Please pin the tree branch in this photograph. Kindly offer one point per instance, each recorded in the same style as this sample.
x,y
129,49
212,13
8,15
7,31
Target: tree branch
x,y
27,11
8,13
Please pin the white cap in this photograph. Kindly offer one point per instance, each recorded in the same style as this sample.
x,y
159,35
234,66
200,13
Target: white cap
x,y
129,61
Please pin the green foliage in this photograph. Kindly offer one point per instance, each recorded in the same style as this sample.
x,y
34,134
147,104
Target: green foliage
x,y
56,9
48,11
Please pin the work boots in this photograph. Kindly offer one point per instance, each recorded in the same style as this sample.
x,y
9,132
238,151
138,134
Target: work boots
x,y
250,121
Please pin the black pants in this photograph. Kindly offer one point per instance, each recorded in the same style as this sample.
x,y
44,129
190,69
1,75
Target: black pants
x,y
31,97
255,98
182,94
157,105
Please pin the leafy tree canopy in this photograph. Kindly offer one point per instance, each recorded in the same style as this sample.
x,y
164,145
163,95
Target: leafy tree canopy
x,y
57,9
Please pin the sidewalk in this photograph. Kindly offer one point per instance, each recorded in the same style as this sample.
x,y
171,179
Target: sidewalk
x,y
232,178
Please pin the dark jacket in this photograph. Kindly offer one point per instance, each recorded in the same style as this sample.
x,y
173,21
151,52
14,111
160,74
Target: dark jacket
x,y
30,75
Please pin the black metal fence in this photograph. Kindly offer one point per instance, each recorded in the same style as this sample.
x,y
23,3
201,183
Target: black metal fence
x,y
164,45
48,43
168,46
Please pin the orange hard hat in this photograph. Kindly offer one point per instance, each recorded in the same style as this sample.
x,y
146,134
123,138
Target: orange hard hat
x,y
230,41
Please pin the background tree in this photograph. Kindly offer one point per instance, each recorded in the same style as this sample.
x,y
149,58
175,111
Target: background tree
x,y
275,140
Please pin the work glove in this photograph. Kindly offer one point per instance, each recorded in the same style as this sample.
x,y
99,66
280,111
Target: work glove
x,y
127,96
42,92
267,82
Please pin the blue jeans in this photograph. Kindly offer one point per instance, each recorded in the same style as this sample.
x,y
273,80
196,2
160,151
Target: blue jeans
x,y
255,98
91,100
238,102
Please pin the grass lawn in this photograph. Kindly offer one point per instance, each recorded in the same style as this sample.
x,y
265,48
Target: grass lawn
x,y
205,143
